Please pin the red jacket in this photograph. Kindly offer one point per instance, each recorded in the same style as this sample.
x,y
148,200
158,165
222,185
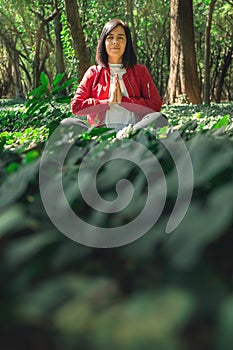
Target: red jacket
x,y
91,97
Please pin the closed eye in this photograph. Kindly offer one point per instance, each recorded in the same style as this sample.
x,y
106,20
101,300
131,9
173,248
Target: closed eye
x,y
119,37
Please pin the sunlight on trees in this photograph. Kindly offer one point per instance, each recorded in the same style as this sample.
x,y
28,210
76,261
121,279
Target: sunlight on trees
x,y
29,43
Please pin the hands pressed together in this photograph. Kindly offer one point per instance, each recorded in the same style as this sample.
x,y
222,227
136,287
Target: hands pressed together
x,y
115,91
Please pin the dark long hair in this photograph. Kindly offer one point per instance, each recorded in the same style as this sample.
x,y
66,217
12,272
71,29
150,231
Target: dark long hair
x,y
129,57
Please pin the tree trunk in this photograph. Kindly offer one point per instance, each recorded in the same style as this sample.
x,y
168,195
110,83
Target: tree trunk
x,y
36,59
17,77
130,18
226,65
59,52
39,35
183,80
60,63
207,53
77,34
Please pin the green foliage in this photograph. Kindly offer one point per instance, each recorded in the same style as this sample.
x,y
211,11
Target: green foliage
x,y
194,119
149,21
23,140
43,98
160,292
221,31
154,293
26,125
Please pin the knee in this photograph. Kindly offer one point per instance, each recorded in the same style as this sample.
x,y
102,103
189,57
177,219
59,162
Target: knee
x,y
163,120
68,121
73,122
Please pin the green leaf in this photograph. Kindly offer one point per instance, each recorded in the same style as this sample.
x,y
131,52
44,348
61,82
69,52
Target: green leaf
x,y
163,312
11,220
63,99
98,131
209,157
16,183
68,83
31,101
12,167
203,224
57,89
222,122
52,126
57,79
2,142
27,247
44,79
225,331
31,156
63,86
38,92
34,107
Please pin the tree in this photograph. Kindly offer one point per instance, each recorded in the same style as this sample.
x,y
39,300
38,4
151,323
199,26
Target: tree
x,y
183,78
226,64
77,34
223,24
60,64
38,62
130,19
11,38
207,52
28,46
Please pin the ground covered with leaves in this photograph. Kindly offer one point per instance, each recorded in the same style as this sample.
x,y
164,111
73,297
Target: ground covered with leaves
x,y
163,291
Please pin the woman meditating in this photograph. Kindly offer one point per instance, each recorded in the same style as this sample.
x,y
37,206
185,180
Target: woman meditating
x,y
117,91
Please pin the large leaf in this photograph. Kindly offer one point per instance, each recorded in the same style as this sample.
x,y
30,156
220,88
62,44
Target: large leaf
x,y
58,78
203,224
222,122
63,86
224,336
44,79
28,247
16,183
38,92
12,220
209,158
120,323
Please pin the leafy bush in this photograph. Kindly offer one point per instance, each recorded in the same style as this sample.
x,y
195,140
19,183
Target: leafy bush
x,y
164,291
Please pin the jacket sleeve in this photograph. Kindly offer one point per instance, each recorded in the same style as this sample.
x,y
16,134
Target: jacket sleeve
x,y
83,103
149,95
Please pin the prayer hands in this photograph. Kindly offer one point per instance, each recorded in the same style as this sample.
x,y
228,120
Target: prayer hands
x,y
115,91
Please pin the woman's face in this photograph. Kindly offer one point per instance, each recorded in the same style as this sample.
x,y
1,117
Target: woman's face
x,y
115,44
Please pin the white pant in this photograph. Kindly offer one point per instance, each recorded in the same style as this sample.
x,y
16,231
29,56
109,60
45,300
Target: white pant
x,y
157,118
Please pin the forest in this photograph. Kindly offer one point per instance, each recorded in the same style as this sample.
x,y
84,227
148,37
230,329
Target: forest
x,y
60,37
161,275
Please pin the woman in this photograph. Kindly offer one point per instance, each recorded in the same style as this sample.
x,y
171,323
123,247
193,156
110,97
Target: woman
x,y
117,91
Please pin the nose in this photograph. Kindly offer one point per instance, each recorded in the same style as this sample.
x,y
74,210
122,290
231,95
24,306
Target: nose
x,y
115,40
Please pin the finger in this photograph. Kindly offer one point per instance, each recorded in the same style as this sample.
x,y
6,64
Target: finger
x,y
119,94
118,87
116,78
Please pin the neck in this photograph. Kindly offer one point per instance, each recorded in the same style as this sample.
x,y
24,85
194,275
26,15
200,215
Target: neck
x,y
115,64
116,61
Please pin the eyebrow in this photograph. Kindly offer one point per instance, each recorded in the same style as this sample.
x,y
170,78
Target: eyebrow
x,y
110,34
